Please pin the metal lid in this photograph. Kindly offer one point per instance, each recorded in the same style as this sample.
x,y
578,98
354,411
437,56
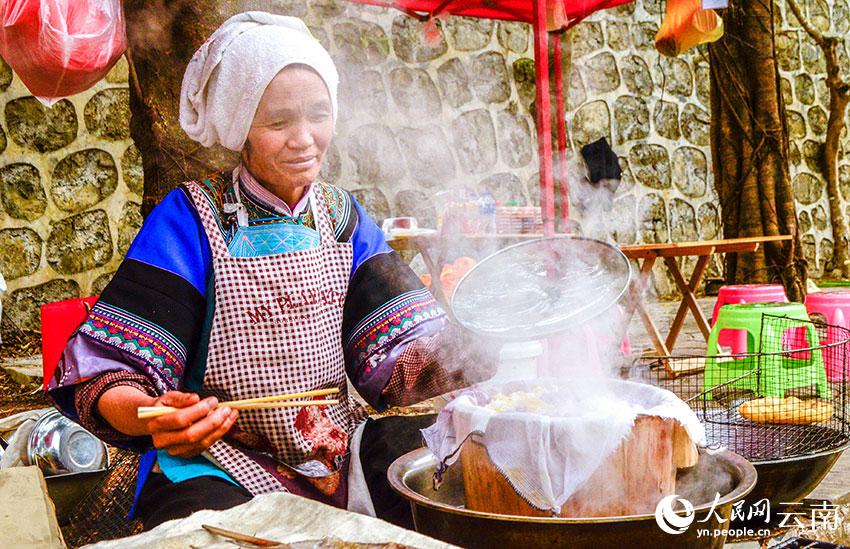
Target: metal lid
x,y
541,287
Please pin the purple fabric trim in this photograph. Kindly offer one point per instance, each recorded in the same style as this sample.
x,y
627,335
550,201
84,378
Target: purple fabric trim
x,y
371,382
85,357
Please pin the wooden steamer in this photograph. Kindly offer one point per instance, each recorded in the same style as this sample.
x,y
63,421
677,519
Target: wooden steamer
x,y
640,472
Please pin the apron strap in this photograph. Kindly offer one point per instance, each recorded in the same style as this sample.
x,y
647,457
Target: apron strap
x,y
209,219
322,214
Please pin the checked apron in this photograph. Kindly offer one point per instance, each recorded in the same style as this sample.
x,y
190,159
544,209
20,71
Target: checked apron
x,y
277,328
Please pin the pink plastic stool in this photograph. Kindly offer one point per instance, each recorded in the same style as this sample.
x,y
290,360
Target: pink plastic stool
x,y
744,293
834,304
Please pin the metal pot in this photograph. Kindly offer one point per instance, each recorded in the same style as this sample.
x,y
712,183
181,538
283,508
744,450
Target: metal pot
x,y
791,479
440,513
59,446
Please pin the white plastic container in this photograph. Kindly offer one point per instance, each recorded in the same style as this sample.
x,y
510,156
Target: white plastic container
x,y
519,361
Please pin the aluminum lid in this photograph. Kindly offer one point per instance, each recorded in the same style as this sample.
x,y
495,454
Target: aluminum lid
x,y
541,287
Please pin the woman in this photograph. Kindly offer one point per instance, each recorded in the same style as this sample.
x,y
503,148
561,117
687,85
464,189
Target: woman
x,y
257,282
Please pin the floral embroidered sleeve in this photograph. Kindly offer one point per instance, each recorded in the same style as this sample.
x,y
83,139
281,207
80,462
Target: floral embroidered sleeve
x,y
146,324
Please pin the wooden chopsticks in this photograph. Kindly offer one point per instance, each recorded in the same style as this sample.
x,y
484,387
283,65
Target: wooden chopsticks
x,y
259,403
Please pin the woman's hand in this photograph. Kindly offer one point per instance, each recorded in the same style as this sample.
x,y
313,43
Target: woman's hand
x,y
189,431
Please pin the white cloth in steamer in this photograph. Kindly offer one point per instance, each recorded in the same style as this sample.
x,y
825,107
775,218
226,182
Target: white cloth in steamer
x,y
547,457
227,76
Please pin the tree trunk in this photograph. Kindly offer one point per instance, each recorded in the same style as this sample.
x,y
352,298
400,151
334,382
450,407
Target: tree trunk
x,y
162,36
749,144
839,96
837,110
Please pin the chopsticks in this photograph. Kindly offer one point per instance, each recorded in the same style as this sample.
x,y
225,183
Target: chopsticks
x,y
259,403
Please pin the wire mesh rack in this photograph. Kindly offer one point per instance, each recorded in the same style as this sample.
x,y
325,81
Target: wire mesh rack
x,y
102,513
787,400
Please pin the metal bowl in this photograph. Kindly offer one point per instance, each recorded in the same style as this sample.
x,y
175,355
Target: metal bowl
x,y
59,446
441,513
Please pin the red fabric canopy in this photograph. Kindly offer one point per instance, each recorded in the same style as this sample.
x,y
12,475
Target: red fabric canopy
x,y
510,10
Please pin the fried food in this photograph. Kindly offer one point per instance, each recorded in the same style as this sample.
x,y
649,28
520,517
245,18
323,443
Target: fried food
x,y
790,410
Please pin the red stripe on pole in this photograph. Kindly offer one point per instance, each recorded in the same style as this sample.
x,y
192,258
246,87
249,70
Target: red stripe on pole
x,y
560,120
544,117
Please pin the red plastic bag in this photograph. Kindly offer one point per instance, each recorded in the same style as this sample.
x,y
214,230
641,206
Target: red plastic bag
x,y
61,47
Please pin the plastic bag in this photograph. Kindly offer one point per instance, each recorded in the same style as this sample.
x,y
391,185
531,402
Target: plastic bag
x,y
687,25
61,47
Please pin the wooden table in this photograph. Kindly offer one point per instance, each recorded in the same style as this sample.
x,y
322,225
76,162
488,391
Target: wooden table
x,y
645,255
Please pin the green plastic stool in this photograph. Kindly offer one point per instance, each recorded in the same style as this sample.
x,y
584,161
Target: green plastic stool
x,y
779,373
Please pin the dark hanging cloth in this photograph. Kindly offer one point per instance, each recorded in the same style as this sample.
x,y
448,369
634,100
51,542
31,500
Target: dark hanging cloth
x,y
602,162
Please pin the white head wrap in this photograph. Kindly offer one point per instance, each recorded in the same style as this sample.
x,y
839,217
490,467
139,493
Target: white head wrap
x,y
228,74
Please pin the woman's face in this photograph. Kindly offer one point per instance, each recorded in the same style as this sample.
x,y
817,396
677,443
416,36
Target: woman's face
x,y
291,131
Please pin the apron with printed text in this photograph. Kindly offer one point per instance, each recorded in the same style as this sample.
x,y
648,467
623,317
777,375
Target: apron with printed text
x,y
276,329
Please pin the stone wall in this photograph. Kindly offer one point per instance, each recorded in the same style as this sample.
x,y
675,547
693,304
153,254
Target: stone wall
x,y
417,118
70,186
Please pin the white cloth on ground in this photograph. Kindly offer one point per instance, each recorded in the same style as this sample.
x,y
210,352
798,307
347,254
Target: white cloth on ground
x,y
227,76
548,455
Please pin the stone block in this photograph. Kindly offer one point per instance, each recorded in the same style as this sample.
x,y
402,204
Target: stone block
x,y
683,223
601,73
591,122
796,124
5,75
694,122
631,117
23,196
415,93
506,188
100,283
20,252
128,225
515,141
586,38
360,42
107,114
636,75
619,37
131,170
415,203
24,371
474,139
376,156
454,82
690,171
467,33
805,221
676,76
652,218
666,119
428,156
374,202
408,36
804,87
82,179
80,242
489,78
650,165
817,120
709,221
788,50
22,308
513,36
38,128
807,188
27,515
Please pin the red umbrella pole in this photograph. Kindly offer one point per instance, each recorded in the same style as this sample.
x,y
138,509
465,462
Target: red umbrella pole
x,y
544,117
560,120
